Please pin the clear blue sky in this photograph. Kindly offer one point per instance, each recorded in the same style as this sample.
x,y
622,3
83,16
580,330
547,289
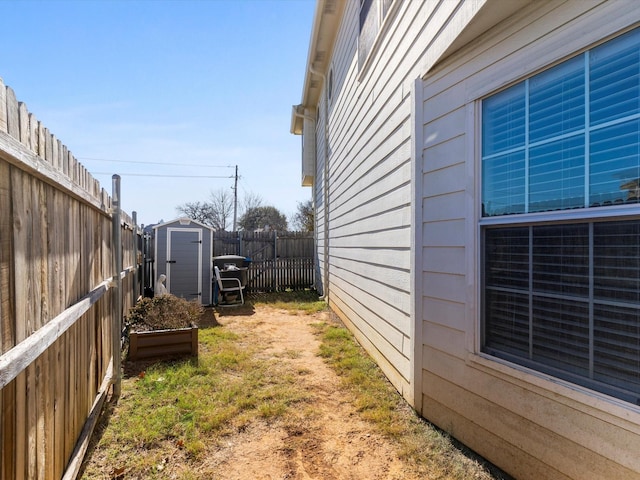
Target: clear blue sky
x,y
205,82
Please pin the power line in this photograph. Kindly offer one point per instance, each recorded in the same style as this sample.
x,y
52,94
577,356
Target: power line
x,y
158,175
155,163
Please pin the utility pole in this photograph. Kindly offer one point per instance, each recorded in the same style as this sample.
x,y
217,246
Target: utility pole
x,y
235,200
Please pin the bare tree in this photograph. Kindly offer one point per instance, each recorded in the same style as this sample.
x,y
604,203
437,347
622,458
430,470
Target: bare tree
x,y
198,211
222,202
251,200
216,212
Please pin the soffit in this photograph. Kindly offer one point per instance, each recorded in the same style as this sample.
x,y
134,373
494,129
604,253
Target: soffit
x,y
326,21
490,13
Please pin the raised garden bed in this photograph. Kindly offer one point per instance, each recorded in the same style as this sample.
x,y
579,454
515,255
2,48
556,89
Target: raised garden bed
x,y
162,343
164,326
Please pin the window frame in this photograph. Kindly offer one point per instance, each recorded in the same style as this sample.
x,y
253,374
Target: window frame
x,y
385,18
587,214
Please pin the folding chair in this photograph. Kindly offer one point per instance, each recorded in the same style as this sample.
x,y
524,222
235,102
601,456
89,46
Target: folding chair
x,y
236,286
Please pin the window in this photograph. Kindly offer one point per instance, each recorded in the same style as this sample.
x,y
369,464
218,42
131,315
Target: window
x,y
372,14
561,293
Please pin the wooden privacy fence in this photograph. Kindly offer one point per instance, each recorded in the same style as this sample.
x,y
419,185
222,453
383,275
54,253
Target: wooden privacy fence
x,y
279,260
57,298
281,274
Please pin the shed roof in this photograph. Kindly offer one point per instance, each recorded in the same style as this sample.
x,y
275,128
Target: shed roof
x,y
183,221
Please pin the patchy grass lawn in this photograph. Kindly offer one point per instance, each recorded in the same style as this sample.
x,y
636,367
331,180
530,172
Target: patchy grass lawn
x,y
182,406
306,301
431,451
173,416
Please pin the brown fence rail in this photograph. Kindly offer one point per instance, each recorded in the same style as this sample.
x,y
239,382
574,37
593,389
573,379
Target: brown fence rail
x,y
56,297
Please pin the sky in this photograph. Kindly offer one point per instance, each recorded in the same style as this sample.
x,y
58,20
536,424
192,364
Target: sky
x,y
169,94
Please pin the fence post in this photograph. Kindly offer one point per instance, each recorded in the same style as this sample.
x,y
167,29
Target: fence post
x,y
275,259
143,267
135,289
117,295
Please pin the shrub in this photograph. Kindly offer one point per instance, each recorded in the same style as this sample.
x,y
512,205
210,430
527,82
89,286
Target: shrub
x,y
163,312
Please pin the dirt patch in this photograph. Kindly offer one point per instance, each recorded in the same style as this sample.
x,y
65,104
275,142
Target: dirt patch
x,y
326,439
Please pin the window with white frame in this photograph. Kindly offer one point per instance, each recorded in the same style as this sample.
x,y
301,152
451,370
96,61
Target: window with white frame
x,y
372,14
561,221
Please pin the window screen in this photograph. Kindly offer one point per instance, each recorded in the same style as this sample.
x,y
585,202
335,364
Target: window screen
x,y
559,295
565,299
568,137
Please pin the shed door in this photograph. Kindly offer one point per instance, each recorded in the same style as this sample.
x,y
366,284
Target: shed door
x,y
184,263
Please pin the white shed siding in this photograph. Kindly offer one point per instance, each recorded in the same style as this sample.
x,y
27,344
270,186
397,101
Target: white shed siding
x,y
532,426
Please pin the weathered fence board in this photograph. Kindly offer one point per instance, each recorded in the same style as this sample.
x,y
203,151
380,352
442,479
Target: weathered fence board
x,y
279,260
7,335
56,315
281,274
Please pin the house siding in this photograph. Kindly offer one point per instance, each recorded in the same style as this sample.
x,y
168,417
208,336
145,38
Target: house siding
x,y
531,425
397,204
365,210
369,198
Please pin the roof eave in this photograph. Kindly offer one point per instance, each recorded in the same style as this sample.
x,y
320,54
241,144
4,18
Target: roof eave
x,y
326,21
297,119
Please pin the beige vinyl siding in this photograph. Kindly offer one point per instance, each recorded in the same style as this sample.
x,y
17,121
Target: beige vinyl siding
x,y
319,202
370,205
531,425
319,194
372,181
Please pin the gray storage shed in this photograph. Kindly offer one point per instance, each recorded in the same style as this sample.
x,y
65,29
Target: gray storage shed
x,y
183,252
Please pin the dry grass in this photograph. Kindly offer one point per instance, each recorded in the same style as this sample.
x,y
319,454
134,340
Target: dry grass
x,y
174,413
432,452
306,301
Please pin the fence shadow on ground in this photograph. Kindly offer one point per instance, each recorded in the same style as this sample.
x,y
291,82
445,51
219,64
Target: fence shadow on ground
x,y
208,318
245,310
103,422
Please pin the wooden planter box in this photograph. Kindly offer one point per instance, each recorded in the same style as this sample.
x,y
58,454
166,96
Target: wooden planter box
x,y
163,343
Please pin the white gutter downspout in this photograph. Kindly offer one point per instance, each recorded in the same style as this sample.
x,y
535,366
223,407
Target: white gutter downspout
x,y
325,182
305,117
